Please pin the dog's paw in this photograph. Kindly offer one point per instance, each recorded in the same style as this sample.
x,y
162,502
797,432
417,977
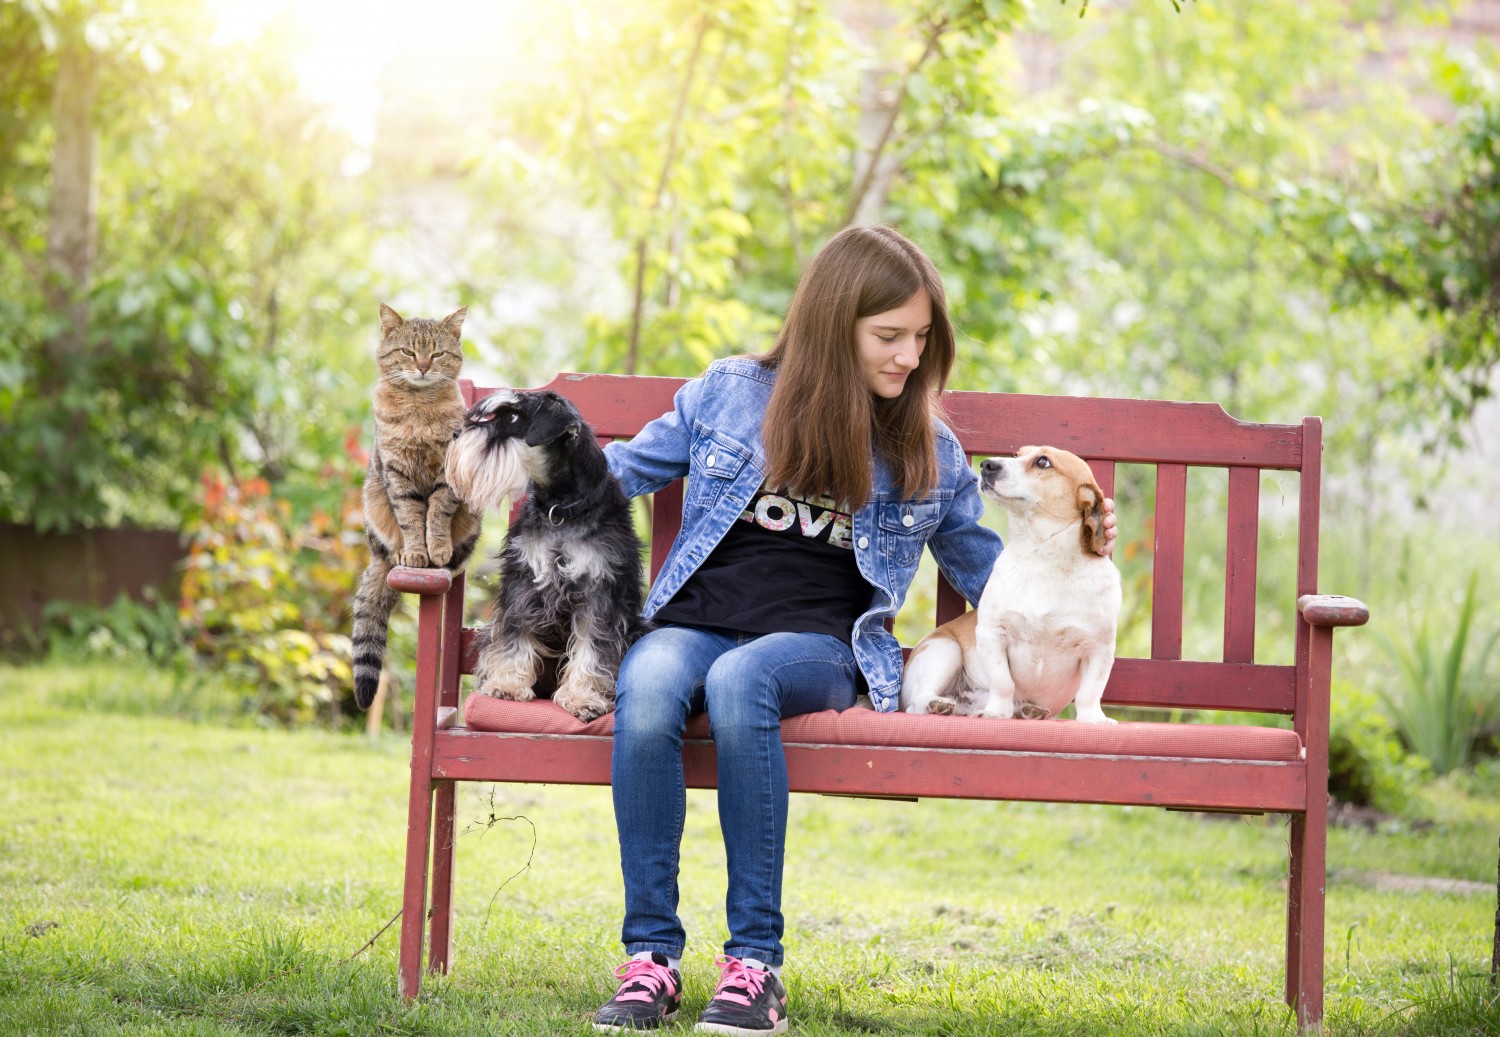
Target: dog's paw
x,y
584,702
510,690
592,711
941,707
415,559
1095,717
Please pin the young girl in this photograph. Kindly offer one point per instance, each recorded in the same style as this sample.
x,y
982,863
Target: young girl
x,y
816,475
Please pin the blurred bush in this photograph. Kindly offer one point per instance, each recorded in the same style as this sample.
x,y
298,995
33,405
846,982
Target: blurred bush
x,y
125,629
1367,764
1443,698
266,599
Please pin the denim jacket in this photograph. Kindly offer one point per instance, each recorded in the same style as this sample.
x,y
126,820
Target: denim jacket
x,y
712,436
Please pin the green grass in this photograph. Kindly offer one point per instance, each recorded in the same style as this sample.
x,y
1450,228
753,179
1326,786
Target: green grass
x,y
164,876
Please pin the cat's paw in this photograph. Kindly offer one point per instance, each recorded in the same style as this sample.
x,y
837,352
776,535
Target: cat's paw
x,y
441,554
415,559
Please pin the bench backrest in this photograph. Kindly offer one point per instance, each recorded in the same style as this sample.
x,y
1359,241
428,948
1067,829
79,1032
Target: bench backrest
x,y
1171,437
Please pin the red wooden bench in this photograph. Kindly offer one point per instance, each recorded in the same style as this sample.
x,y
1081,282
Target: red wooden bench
x,y
1200,766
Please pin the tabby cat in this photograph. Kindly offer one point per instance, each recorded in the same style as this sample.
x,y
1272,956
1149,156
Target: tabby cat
x,y
411,514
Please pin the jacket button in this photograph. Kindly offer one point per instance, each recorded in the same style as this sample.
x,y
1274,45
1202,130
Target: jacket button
x,y
711,459
864,542
907,521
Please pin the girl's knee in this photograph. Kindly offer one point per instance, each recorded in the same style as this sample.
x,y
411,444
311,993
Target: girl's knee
x,y
742,695
654,690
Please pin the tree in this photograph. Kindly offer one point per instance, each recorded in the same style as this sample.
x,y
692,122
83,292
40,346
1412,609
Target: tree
x,y
183,241
1434,248
721,145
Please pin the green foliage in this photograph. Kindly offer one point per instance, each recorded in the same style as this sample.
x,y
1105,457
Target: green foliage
x,y
1442,697
723,145
1431,246
266,599
229,252
124,629
1367,765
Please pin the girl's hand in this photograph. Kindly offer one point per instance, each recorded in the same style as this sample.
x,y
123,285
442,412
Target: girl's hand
x,y
1108,550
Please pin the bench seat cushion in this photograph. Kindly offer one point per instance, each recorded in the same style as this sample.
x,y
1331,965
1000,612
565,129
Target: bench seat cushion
x,y
863,726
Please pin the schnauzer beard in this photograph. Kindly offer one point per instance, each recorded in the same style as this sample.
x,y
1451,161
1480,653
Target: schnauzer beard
x,y
484,478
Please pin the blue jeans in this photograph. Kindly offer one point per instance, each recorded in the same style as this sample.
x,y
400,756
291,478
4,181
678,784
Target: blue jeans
x,y
748,683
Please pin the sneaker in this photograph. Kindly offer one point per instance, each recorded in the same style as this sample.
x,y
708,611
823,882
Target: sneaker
x,y
648,996
746,1003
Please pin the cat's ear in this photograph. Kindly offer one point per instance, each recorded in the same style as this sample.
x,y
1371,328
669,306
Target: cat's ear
x,y
389,320
454,322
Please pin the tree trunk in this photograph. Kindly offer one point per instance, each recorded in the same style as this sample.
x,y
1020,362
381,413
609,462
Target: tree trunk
x,y
70,229
879,106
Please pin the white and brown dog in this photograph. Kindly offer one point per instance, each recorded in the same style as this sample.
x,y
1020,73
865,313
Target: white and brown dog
x,y
1044,632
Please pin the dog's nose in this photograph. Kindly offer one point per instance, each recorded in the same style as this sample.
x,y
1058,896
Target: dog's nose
x,y
992,466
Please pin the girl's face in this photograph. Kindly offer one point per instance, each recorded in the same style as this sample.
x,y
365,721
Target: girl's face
x,y
890,344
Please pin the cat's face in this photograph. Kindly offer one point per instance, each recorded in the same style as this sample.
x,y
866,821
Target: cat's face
x,y
420,353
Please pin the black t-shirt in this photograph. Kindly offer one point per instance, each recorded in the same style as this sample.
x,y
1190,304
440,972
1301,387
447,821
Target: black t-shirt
x,y
786,565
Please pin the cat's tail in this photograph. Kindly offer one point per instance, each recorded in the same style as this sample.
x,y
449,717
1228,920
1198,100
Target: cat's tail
x,y
373,604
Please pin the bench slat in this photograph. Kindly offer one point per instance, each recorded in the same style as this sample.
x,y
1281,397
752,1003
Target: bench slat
x,y
1160,431
1104,474
1166,577
1240,565
666,521
950,603
462,755
998,423
1191,684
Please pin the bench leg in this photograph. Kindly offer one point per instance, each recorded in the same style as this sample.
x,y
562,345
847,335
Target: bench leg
x,y
414,895
443,859
1309,834
419,805
440,946
1304,923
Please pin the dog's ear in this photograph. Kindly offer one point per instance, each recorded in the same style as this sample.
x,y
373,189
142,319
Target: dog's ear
x,y
1091,509
551,423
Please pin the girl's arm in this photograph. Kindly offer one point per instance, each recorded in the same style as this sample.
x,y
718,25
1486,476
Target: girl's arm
x,y
965,550
659,453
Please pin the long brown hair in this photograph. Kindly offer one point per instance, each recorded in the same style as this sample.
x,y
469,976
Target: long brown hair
x,y
823,420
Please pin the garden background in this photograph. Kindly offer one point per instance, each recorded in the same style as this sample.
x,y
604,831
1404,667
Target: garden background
x,y
1285,208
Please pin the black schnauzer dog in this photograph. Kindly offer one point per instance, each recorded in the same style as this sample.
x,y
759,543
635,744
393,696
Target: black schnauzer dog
x,y
570,570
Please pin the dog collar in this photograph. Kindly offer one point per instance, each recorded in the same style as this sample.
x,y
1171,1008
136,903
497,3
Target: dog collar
x,y
557,514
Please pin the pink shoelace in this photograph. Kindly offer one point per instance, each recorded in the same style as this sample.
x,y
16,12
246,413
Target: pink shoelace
x,y
641,980
738,983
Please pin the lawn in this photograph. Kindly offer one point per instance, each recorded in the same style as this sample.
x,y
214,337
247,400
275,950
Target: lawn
x,y
164,870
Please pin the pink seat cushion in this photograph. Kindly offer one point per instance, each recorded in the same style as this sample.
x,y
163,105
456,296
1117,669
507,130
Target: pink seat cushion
x,y
862,726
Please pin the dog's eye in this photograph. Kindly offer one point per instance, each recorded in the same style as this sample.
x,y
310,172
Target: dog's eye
x,y
1043,462
514,418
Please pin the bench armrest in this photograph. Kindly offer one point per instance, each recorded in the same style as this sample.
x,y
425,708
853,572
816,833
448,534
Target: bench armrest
x,y
419,581
1332,610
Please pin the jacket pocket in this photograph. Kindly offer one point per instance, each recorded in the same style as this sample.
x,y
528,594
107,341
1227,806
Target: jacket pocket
x,y
905,527
716,462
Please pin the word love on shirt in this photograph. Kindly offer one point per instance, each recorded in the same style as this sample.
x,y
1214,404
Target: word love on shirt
x,y
816,517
